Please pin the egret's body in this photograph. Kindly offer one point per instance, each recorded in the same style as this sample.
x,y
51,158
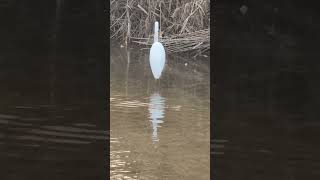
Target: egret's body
x,y
157,55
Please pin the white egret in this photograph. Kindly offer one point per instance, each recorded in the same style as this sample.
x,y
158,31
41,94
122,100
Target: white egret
x,y
157,54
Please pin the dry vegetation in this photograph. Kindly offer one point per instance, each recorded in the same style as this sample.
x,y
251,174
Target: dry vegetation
x,y
184,24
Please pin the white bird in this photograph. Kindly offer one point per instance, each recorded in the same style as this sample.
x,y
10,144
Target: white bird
x,y
157,54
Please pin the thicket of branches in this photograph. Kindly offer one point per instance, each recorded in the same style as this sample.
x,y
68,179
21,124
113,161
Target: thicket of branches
x,y
184,24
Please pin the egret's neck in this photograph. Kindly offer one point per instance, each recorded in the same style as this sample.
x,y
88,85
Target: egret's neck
x,y
156,31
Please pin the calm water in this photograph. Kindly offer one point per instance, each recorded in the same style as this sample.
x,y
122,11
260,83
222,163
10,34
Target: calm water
x,y
52,115
52,124
159,130
266,108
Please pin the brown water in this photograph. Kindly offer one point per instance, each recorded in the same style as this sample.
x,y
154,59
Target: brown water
x,y
159,130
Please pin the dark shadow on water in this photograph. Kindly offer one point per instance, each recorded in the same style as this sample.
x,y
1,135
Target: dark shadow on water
x,y
53,92
266,125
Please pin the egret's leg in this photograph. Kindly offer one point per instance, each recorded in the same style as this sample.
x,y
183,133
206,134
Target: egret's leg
x,y
157,85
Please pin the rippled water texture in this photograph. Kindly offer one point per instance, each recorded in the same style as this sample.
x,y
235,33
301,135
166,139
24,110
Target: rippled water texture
x,y
52,119
159,130
48,129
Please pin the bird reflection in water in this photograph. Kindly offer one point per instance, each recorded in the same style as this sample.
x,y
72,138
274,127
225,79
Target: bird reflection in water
x,y
156,110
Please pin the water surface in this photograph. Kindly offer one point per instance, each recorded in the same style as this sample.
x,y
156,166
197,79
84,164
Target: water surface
x,y
159,130
52,116
266,108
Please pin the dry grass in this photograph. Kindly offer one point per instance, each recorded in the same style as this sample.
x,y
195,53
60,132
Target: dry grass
x,y
184,24
197,42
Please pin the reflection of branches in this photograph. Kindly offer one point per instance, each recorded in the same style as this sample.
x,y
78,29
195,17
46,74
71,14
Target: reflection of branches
x,y
57,20
127,71
194,85
52,83
53,54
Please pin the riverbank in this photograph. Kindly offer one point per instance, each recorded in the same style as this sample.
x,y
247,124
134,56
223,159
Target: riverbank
x,y
133,21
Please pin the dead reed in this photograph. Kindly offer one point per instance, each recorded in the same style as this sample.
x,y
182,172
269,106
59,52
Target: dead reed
x,y
184,24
